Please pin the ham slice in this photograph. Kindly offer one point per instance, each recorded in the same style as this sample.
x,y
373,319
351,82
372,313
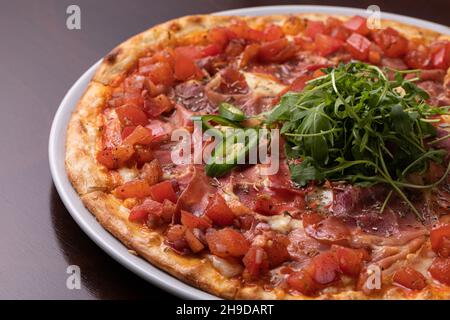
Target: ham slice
x,y
302,247
439,94
182,117
195,196
191,95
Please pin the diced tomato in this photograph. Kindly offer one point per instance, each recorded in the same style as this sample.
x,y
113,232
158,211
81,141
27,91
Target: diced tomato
x,y
192,52
143,154
194,244
273,32
440,270
133,87
163,190
440,54
176,232
227,243
357,24
255,261
185,66
440,240
305,43
300,83
313,28
116,100
410,278
114,158
303,282
234,48
243,31
169,209
160,131
140,213
134,84
393,44
374,57
140,135
276,249
350,260
158,214
265,206
293,26
192,221
239,28
147,87
144,64
151,172
358,46
340,33
111,131
161,73
246,221
175,237
375,54
333,22
127,131
158,105
130,115
138,216
133,98
211,50
418,56
221,36
165,56
311,219
250,53
278,51
326,44
133,189
324,268
219,212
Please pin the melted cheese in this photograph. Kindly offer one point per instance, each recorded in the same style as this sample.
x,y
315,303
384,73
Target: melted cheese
x,y
226,268
280,223
128,174
262,85
284,223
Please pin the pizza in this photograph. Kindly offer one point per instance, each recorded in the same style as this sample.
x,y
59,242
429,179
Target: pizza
x,y
359,206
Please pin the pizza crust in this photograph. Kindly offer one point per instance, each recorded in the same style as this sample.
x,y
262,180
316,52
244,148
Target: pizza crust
x,y
92,180
81,143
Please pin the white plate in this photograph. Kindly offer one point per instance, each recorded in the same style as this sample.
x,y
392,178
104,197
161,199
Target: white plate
x,y
85,219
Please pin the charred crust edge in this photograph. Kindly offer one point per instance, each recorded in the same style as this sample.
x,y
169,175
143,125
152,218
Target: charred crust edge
x,y
111,57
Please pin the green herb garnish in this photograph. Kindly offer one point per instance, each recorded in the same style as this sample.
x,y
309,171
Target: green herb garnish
x,y
355,125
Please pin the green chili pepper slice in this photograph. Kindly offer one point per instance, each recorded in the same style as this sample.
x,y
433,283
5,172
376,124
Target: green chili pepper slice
x,y
208,119
231,112
229,152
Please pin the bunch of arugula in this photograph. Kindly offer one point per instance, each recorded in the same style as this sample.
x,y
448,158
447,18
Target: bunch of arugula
x,y
355,125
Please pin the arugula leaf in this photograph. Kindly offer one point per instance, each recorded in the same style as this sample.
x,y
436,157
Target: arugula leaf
x,y
306,171
356,125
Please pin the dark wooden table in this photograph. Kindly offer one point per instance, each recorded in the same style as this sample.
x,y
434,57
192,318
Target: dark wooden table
x,y
39,61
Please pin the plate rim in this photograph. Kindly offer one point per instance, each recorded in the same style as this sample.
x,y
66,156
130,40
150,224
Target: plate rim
x,y
87,222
